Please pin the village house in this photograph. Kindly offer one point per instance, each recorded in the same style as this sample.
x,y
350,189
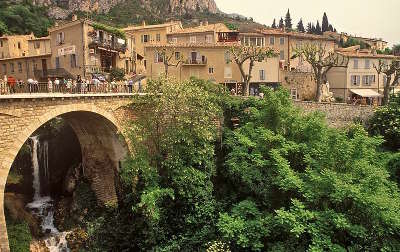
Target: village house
x,y
22,55
83,47
144,35
359,79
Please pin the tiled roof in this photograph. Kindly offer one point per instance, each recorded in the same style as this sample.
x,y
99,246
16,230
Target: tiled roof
x,y
294,34
194,45
42,38
219,27
141,27
357,54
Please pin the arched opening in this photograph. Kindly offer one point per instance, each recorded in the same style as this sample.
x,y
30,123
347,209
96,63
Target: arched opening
x,y
73,150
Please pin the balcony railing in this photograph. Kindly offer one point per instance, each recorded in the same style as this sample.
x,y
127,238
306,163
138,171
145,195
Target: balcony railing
x,y
190,61
108,44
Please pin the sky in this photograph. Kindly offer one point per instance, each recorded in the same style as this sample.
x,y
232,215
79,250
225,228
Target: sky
x,y
375,19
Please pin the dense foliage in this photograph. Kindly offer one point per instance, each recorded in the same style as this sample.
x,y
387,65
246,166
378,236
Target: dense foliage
x,y
23,18
19,235
386,122
278,181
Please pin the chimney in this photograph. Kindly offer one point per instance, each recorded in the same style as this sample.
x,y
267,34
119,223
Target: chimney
x,y
206,22
144,23
201,23
74,17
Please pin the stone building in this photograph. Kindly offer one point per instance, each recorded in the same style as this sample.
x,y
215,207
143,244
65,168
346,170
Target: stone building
x,y
22,55
359,78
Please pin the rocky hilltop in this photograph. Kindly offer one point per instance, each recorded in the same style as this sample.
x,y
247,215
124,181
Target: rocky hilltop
x,y
60,9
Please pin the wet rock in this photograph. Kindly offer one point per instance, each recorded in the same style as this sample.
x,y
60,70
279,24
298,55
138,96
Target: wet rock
x,y
38,246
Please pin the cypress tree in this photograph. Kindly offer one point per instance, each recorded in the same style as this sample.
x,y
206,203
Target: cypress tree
x,y
330,28
309,28
274,24
325,23
281,24
300,26
313,30
318,29
288,20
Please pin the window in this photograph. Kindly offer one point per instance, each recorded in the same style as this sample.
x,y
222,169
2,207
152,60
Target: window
x,y
35,66
192,39
282,55
271,40
57,62
145,38
2,54
355,64
1,43
133,40
293,93
19,67
158,37
19,45
60,38
282,41
367,64
260,42
158,58
368,80
211,70
4,68
174,40
209,38
12,67
36,44
228,72
355,80
262,74
73,60
227,57
177,55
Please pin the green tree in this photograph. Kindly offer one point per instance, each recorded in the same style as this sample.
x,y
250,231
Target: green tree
x,y
325,23
298,185
117,74
309,28
396,49
318,30
300,26
281,24
3,28
273,24
288,21
385,122
391,71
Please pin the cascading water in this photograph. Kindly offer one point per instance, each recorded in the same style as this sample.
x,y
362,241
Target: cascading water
x,y
42,206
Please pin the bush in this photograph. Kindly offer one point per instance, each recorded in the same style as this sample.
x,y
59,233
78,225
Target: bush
x,y
117,74
19,235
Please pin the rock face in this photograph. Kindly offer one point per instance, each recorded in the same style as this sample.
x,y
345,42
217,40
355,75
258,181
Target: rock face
x,y
194,5
60,9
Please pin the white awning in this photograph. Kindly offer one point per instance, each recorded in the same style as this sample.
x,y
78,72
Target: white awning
x,y
366,93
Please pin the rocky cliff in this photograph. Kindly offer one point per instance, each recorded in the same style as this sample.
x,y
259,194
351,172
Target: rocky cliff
x,y
60,9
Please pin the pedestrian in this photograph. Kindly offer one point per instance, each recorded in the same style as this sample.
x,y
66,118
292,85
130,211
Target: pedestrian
x,y
113,85
78,83
50,86
30,85
130,86
11,84
57,85
35,85
69,85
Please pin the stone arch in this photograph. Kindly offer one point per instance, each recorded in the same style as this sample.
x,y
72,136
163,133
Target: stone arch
x,y
103,144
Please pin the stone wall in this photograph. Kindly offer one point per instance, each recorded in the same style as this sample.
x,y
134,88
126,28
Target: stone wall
x,y
303,82
339,114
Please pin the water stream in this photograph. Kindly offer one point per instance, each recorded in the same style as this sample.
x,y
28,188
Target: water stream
x,y
42,205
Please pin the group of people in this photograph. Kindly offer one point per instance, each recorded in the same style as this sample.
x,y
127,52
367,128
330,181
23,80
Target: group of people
x,y
9,85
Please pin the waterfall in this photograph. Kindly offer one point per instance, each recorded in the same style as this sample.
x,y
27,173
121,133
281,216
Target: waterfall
x,y
46,160
42,206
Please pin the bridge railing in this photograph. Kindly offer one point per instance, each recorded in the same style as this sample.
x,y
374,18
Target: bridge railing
x,y
41,87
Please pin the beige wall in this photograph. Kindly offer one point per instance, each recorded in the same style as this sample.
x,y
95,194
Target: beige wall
x,y
39,47
216,69
14,46
340,79
186,37
23,67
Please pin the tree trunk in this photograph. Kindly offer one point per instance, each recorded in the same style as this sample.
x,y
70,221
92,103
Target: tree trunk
x,y
246,86
319,90
386,91
166,70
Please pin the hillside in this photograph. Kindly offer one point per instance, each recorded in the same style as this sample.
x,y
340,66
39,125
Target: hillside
x,y
26,16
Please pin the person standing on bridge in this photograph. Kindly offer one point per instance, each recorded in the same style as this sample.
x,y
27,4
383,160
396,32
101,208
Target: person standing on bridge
x,y
57,85
50,85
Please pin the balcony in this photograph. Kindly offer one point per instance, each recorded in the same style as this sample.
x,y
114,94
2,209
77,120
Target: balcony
x,y
107,45
195,62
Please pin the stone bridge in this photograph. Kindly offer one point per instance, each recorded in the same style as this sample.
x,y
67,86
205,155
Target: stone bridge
x,y
97,120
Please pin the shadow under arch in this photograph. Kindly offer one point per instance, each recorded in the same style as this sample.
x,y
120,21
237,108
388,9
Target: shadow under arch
x,y
103,146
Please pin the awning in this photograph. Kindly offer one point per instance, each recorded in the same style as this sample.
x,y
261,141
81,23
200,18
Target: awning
x,y
366,93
